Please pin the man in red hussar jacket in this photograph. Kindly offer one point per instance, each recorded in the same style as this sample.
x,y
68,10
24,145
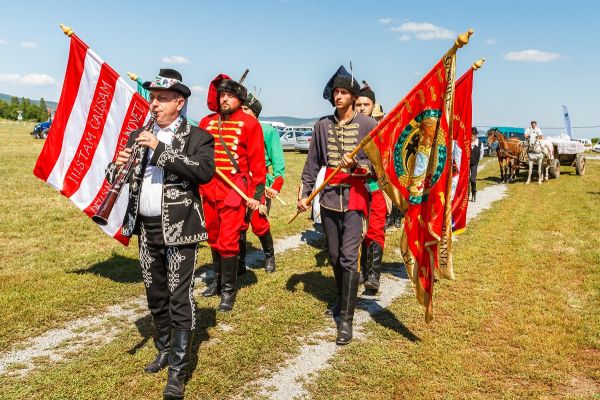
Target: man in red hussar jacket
x,y
240,155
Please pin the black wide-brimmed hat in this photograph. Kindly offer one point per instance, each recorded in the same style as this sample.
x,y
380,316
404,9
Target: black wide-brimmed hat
x,y
253,104
341,79
168,79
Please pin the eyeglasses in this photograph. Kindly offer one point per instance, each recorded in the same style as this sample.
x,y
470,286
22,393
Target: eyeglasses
x,y
161,98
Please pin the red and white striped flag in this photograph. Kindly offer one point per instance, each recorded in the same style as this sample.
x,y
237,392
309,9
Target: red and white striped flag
x,y
96,113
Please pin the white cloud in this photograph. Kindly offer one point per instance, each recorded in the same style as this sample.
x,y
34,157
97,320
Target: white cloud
x,y
532,55
175,60
424,31
404,38
196,89
29,45
490,41
2,41
29,79
385,21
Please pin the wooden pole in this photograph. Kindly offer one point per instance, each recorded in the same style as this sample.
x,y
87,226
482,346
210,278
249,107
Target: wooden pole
x,y
261,208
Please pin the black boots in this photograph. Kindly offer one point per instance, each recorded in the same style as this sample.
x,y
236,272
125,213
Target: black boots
x,y
266,242
373,266
394,218
179,361
242,255
228,282
474,196
215,287
162,342
334,309
349,294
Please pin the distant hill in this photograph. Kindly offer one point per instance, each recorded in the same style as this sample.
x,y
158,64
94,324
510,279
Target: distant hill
x,y
51,104
291,121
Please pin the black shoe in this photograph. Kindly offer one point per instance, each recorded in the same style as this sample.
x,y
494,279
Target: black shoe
x,y
344,333
334,310
266,242
215,287
162,342
398,222
374,265
228,283
474,197
348,305
179,361
242,254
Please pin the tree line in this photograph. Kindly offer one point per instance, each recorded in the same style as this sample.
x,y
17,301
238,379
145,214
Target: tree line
x,y
30,112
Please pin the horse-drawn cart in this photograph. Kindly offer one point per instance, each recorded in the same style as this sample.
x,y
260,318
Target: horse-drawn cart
x,y
567,153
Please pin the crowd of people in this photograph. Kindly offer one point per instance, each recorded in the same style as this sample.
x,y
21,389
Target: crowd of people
x,y
215,180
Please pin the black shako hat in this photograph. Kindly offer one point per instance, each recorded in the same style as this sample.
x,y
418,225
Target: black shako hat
x,y
168,79
341,79
253,104
367,92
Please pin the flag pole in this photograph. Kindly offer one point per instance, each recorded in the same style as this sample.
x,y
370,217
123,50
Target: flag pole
x,y
445,256
66,30
462,40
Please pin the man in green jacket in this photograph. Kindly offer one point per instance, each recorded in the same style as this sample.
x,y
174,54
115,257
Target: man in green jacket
x,y
273,158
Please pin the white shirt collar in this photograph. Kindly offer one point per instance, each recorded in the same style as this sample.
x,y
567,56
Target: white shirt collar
x,y
173,126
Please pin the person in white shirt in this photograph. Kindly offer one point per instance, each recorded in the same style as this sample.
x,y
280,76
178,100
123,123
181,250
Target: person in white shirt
x,y
533,130
165,210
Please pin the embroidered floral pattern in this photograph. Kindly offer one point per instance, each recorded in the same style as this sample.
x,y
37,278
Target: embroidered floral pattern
x,y
174,259
145,258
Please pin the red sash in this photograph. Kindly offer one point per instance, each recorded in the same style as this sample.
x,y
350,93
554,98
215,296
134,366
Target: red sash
x,y
359,195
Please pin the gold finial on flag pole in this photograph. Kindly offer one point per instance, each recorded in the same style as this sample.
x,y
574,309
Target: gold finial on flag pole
x,y
67,30
477,64
463,38
132,76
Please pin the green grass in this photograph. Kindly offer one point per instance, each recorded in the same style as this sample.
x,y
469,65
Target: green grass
x,y
521,320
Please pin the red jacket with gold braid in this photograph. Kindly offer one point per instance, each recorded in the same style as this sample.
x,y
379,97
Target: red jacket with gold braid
x,y
244,137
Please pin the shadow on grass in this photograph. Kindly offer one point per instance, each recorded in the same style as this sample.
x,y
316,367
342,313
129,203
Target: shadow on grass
x,y
387,319
314,283
205,318
117,268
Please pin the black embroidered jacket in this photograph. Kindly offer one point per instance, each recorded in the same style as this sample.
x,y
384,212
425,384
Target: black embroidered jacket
x,y
187,162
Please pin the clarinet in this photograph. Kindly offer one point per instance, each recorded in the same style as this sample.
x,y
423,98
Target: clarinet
x,y
123,175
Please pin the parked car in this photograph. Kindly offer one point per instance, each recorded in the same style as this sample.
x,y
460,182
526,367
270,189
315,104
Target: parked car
x,y
303,141
288,139
40,131
596,147
289,135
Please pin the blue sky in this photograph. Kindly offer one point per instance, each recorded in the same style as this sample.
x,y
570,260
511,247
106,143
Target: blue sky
x,y
539,55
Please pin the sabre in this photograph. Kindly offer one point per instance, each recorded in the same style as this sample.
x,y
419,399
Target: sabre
x,y
261,208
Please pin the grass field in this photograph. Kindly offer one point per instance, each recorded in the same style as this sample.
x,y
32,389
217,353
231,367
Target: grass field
x,y
522,319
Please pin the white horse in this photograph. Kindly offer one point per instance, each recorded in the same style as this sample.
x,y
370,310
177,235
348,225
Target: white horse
x,y
539,151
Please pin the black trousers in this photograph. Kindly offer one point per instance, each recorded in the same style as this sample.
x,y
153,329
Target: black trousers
x,y
343,234
168,273
473,178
